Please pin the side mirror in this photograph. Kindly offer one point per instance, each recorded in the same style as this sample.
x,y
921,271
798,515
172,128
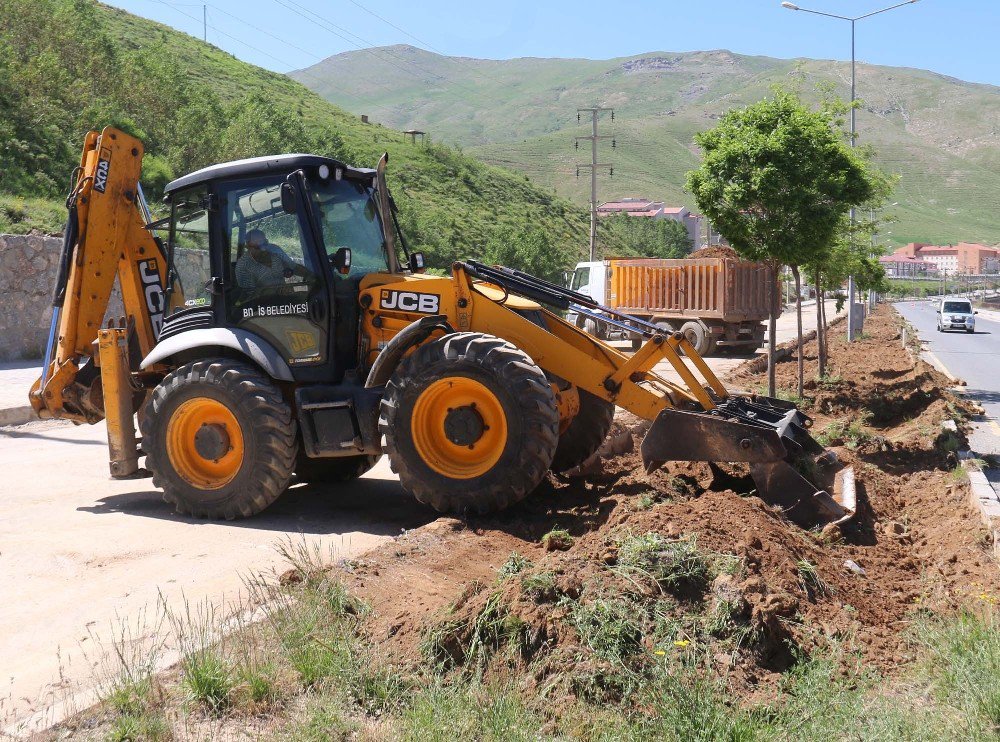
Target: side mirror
x,y
976,311
288,198
416,262
341,260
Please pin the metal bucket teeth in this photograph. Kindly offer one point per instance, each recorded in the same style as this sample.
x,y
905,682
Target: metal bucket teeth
x,y
769,435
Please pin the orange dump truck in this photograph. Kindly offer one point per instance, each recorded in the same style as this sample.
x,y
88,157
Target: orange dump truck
x,y
716,302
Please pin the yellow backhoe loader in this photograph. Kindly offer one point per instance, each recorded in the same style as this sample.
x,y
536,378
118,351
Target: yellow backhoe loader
x,y
276,326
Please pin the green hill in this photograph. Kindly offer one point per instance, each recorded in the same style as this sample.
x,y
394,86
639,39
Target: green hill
x,y
939,134
67,66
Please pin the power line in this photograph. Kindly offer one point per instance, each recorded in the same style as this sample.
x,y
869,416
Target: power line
x,y
594,166
175,8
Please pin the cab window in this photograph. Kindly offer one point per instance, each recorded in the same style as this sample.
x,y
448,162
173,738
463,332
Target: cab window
x,y
581,279
191,259
275,285
348,216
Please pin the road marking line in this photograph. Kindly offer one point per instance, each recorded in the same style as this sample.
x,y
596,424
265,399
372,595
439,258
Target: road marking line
x,y
937,363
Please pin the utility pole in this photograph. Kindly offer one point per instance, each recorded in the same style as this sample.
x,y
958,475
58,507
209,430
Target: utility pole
x,y
594,112
204,23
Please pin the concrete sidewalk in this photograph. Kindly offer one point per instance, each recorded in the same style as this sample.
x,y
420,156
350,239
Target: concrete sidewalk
x,y
16,378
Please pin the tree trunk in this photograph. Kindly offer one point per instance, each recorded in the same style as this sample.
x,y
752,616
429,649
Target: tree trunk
x,y
772,329
798,327
820,330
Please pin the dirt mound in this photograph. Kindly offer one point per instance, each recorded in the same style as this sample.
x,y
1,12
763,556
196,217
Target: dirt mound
x,y
641,569
715,251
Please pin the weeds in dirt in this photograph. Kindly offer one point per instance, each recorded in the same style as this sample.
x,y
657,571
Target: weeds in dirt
x,y
208,679
609,627
810,580
948,441
515,564
448,711
842,432
675,564
558,539
126,675
472,643
151,727
539,586
830,382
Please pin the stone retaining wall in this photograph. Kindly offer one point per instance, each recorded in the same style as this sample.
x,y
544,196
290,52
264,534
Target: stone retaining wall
x,y
28,265
28,268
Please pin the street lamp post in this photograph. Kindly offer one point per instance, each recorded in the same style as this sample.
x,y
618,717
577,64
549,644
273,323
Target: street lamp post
x,y
853,21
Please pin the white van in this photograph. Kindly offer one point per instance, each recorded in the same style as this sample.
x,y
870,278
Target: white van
x,y
956,314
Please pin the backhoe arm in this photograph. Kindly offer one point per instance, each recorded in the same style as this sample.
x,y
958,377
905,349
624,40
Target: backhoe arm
x,y
106,236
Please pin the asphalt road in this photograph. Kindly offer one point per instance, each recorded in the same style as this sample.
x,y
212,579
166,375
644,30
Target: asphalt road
x,y
974,358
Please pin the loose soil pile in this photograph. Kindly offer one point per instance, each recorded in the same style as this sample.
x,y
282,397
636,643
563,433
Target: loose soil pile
x,y
715,251
687,561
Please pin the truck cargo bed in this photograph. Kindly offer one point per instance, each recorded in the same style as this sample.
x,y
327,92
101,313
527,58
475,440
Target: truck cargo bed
x,y
707,288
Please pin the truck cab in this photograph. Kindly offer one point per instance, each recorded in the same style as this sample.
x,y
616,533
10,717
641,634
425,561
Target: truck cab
x,y
591,279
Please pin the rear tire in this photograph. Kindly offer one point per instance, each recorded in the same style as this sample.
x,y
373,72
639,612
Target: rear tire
x,y
336,470
470,423
697,334
219,439
586,432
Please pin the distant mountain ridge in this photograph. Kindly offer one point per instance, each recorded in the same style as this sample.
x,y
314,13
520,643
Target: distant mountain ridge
x,y
940,134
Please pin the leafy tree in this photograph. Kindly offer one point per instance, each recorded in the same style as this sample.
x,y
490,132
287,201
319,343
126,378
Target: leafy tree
x,y
529,249
258,127
639,237
776,179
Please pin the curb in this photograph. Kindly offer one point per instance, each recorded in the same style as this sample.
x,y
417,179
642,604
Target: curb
x,y
982,497
17,416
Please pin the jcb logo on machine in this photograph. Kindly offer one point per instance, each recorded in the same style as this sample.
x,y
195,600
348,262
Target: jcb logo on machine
x,y
150,277
103,170
410,301
300,342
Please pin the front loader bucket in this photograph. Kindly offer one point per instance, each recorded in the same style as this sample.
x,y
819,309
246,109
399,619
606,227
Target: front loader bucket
x,y
772,437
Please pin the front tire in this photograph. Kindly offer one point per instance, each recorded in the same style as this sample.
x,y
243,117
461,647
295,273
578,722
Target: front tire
x,y
470,423
219,439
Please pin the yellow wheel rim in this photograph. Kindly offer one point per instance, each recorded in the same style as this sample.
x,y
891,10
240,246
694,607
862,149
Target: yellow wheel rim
x,y
205,443
459,427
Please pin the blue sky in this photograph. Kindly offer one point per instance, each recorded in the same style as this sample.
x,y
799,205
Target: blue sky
x,y
953,37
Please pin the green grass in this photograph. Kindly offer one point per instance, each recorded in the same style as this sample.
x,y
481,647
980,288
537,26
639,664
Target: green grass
x,y
633,677
675,564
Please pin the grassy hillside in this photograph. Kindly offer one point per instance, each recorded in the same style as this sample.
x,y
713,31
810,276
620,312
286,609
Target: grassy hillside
x,y
194,104
939,134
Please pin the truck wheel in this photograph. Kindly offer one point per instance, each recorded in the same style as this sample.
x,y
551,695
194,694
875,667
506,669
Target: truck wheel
x,y
586,432
593,327
470,423
336,470
219,439
697,334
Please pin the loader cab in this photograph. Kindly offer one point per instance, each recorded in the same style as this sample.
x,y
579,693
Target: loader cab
x,y
274,248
